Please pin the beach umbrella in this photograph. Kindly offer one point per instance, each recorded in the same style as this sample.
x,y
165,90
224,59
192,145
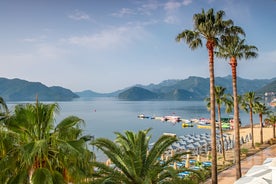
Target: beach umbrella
x,y
190,141
182,141
203,142
183,147
196,139
191,146
177,144
174,147
197,144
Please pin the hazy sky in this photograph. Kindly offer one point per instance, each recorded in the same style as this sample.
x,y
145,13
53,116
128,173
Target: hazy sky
x,y
106,45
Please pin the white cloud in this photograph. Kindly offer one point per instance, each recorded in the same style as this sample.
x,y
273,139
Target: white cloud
x,y
79,15
34,39
171,9
148,8
171,19
124,12
186,2
50,52
110,38
171,6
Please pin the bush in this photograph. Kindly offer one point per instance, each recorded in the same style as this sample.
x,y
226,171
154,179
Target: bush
x,y
257,144
244,151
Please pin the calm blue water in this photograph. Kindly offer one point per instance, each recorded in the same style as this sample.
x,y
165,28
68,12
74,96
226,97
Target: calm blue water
x,y
104,116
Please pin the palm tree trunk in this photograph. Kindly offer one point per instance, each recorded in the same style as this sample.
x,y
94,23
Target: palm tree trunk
x,y
210,47
274,132
252,127
221,134
237,156
261,128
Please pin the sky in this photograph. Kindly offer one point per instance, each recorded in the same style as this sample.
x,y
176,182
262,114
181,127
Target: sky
x,y
107,45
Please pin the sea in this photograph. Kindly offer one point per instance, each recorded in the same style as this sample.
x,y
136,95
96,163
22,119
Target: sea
x,y
104,116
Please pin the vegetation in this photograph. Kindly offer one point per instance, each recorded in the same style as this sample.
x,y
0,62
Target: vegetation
x,y
233,47
221,98
134,163
34,150
261,109
249,100
271,119
209,26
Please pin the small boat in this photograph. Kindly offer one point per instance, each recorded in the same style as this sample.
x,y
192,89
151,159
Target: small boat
x,y
142,116
273,103
204,126
173,119
185,125
225,126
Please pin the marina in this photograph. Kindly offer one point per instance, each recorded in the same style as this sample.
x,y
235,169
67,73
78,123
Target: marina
x,y
226,123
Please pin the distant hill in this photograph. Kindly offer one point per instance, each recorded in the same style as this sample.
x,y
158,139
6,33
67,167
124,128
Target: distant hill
x,y
137,93
22,90
192,88
270,87
91,94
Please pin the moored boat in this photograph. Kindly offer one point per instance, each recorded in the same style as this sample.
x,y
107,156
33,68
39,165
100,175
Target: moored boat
x,y
142,116
204,126
273,103
185,125
173,119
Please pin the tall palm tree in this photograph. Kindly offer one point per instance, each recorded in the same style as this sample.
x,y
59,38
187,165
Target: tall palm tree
x,y
134,162
272,121
208,26
233,48
261,109
248,101
43,152
221,99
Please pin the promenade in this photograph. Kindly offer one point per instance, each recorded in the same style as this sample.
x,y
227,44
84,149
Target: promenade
x,y
229,177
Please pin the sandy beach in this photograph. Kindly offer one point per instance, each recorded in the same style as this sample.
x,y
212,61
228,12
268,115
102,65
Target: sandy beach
x,y
267,133
244,132
253,157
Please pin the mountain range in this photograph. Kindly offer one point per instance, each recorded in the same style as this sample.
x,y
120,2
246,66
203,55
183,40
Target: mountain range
x,y
22,90
196,88
192,88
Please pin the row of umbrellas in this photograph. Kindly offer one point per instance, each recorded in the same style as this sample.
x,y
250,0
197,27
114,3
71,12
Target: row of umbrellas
x,y
202,142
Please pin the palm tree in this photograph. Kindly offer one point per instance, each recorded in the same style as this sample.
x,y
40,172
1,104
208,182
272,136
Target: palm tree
x,y
209,26
43,152
221,98
233,48
272,121
261,109
134,162
248,101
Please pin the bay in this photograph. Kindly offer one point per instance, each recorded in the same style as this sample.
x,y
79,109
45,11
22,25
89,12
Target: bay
x,y
104,116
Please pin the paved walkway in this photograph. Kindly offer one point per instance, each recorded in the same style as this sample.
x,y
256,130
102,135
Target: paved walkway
x,y
229,176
